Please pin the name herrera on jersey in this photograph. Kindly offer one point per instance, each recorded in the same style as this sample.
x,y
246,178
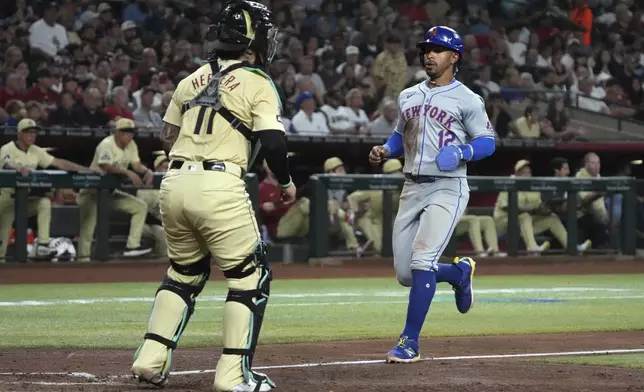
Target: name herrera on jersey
x,y
203,80
440,115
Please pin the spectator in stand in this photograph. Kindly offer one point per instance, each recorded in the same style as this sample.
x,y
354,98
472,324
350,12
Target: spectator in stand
x,y
347,82
305,84
36,112
70,85
14,88
390,68
617,100
330,77
90,113
308,120
306,70
12,57
586,101
104,71
145,116
63,115
354,112
582,15
149,61
47,36
119,107
385,123
500,116
336,119
42,91
516,48
486,83
166,97
353,55
528,126
512,86
16,111
148,80
121,65
557,122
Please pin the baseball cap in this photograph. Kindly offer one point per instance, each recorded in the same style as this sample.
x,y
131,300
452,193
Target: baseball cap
x,y
127,25
125,125
104,7
87,16
303,97
351,50
521,164
27,124
332,163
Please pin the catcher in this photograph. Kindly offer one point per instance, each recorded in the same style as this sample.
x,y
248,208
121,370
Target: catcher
x,y
206,212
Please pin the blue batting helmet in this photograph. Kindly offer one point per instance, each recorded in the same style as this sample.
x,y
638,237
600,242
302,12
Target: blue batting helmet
x,y
442,36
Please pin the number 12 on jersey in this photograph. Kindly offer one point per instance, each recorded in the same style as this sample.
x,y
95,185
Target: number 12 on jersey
x,y
445,138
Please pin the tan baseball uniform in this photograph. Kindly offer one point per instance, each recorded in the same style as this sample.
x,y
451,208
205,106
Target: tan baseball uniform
x,y
33,158
109,153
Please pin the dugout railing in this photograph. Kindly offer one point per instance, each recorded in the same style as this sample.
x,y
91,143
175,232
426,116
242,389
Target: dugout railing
x,y
105,185
321,183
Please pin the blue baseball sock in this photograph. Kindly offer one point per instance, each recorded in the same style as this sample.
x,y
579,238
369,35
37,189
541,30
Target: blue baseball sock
x,y
449,273
422,291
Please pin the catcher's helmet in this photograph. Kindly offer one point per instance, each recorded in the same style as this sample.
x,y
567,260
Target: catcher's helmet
x,y
442,36
245,24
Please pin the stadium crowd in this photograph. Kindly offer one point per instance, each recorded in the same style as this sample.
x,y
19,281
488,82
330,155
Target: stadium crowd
x,y
341,64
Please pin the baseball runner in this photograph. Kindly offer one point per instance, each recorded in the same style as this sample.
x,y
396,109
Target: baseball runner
x,y
206,212
441,125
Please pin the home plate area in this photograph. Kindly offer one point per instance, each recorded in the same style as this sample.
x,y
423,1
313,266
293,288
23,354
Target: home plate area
x,y
482,364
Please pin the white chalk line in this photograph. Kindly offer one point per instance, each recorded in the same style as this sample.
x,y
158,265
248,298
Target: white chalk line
x,y
436,299
89,301
102,380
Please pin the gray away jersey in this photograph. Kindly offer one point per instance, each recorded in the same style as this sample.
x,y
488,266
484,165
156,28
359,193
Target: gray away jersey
x,y
432,118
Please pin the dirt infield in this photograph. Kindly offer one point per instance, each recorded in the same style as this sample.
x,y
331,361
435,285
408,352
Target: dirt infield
x,y
451,363
109,368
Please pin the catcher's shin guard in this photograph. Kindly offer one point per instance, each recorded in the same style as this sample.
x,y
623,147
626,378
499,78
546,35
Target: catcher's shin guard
x,y
254,272
173,306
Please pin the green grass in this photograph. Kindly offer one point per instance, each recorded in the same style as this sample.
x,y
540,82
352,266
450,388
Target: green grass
x,y
115,315
632,361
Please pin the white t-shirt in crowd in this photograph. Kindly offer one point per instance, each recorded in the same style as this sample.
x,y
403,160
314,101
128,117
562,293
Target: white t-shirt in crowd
x,y
489,87
336,118
517,52
381,127
315,125
592,104
357,118
49,39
